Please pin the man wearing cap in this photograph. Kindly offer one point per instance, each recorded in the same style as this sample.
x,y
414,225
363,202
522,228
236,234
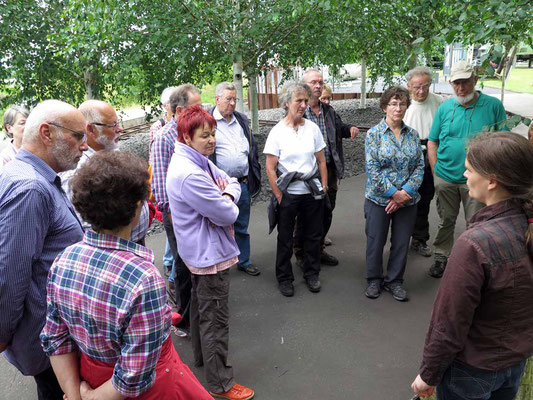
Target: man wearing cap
x,y
457,120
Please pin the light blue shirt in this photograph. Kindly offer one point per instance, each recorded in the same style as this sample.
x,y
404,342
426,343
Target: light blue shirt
x,y
37,222
232,147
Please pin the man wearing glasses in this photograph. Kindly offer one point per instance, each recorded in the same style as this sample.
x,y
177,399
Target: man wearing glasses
x,y
103,133
236,154
37,222
419,116
456,121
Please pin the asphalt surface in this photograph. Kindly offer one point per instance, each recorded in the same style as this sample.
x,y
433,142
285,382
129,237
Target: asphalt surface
x,y
336,344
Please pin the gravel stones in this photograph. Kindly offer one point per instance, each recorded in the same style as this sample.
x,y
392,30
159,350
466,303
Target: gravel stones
x,y
138,145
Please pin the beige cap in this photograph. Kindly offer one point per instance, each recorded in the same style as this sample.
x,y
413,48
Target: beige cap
x,y
461,70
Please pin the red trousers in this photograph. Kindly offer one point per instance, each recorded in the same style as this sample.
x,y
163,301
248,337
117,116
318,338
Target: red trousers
x,y
174,380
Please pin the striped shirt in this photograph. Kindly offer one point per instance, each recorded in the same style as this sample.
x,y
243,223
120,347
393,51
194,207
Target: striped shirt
x,y
160,154
107,299
37,222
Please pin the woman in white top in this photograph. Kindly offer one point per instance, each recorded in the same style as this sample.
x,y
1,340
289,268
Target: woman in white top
x,y
295,152
14,122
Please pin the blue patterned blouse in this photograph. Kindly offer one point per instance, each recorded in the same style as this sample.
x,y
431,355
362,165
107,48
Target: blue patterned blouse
x,y
392,165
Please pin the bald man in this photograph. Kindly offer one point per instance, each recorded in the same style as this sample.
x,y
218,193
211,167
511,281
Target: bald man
x,y
37,222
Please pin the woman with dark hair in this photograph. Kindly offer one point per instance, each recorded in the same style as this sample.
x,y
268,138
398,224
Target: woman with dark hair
x,y
107,300
395,168
14,122
481,329
297,173
203,203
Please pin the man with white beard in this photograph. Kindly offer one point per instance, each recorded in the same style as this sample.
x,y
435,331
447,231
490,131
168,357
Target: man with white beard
x,y
457,120
103,131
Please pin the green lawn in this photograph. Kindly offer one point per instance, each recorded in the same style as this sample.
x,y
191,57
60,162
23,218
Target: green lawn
x,y
520,80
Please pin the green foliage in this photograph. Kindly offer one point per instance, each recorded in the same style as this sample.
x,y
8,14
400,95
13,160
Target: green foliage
x,y
509,123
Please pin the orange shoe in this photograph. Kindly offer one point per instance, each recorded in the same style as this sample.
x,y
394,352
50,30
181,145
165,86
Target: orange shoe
x,y
237,392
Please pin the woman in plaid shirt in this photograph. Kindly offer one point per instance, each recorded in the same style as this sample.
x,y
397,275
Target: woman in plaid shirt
x,y
107,300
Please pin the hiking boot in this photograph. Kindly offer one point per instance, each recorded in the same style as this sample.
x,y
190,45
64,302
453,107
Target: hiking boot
x,y
286,288
397,291
250,269
437,269
373,290
328,259
421,248
313,283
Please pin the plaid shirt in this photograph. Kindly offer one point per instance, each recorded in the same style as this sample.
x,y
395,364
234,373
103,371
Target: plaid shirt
x,y
160,154
106,297
321,122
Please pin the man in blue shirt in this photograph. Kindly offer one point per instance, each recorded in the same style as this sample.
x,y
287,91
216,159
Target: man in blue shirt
x,y
37,221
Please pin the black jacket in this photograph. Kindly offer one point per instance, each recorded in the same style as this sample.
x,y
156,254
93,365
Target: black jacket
x,y
336,130
254,168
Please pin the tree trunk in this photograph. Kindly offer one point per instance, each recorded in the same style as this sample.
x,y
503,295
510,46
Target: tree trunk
x,y
252,91
89,80
237,81
363,84
507,69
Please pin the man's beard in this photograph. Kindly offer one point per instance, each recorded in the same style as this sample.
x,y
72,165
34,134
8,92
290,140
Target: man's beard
x,y
109,144
466,99
65,157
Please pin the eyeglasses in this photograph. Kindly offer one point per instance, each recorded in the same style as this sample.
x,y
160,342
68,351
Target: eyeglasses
x,y
231,99
396,105
108,125
80,136
423,87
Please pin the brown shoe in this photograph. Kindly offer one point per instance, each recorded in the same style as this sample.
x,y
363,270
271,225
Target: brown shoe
x,y
237,392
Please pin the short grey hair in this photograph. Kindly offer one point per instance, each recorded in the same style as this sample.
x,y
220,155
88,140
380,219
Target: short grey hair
x,y
310,70
11,115
419,71
165,94
179,97
289,89
224,86
47,111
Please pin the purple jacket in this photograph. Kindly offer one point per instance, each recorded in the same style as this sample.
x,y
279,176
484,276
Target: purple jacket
x,y
201,217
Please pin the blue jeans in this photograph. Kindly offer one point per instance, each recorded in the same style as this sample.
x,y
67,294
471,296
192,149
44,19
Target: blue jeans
x,y
168,261
462,382
242,237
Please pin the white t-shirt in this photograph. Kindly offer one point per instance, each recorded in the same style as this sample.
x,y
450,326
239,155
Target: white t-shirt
x,y
419,115
296,150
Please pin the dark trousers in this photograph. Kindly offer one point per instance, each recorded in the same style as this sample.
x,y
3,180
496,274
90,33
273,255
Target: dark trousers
x,y
210,329
427,192
47,386
182,279
329,206
310,214
377,226
463,382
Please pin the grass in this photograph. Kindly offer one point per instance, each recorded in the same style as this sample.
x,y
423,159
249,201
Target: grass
x,y
520,80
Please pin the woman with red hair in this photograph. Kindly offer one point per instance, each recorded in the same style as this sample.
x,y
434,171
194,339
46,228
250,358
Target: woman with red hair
x,y
203,206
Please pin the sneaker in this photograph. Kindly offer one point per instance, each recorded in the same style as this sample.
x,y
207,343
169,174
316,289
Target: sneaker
x,y
249,269
313,283
182,333
237,392
373,290
328,259
437,269
286,288
421,248
327,241
397,291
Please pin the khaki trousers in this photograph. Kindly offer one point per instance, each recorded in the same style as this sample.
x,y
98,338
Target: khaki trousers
x,y
449,198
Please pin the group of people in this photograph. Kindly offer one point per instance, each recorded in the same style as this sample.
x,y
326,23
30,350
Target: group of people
x,y
87,314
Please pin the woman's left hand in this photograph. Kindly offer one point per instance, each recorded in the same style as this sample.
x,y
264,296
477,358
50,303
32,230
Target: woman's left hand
x,y
422,388
222,183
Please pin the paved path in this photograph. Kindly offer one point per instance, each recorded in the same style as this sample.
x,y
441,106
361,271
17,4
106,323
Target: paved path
x,y
333,345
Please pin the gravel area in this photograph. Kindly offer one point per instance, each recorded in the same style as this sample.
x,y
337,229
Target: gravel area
x,y
354,153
